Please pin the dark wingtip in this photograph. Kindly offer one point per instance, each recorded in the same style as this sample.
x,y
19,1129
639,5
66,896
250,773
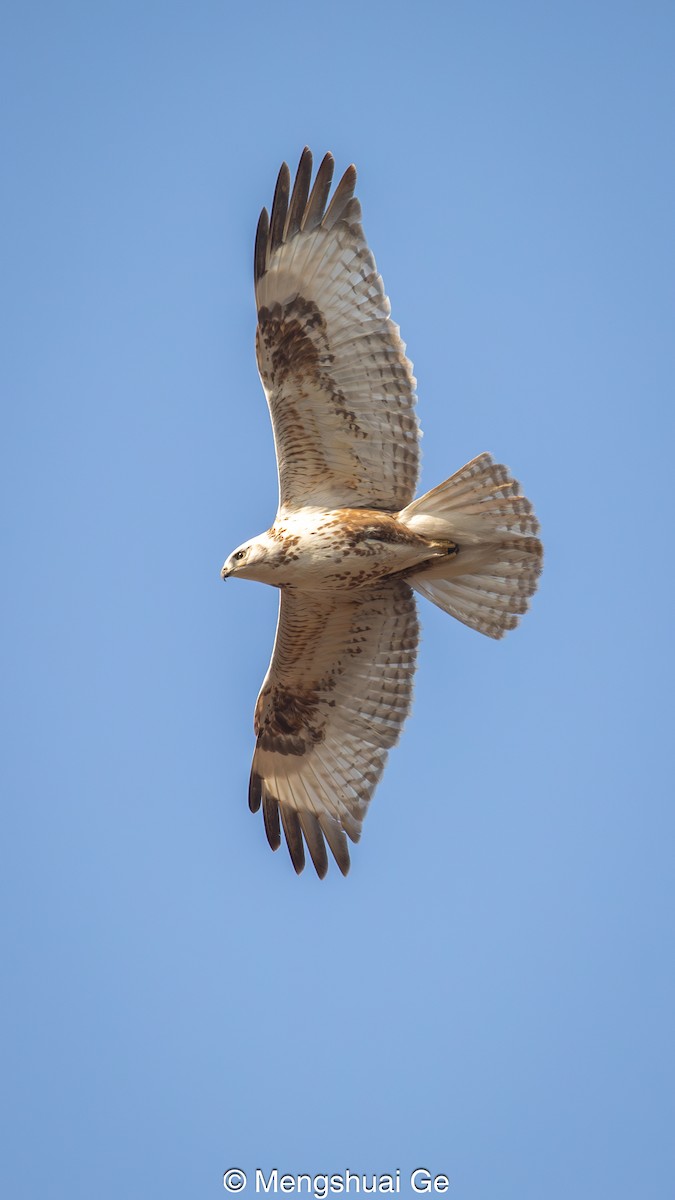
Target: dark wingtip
x,y
344,864
315,843
349,177
271,819
279,207
298,202
305,210
254,791
316,205
260,252
296,849
342,196
335,836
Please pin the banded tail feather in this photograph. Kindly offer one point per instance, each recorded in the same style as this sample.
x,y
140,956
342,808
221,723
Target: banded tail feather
x,y
488,583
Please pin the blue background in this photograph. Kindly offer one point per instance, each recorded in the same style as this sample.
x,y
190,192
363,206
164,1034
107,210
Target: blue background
x,y
490,993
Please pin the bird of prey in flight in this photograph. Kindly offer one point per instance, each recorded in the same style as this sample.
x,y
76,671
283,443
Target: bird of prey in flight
x,y
350,544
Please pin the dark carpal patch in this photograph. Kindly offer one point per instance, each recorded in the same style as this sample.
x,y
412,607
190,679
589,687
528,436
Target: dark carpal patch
x,y
294,337
290,723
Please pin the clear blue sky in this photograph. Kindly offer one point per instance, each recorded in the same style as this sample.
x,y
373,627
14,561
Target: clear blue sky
x,y
490,994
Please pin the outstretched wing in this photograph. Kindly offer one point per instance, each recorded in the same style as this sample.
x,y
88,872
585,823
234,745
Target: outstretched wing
x,y
335,697
339,387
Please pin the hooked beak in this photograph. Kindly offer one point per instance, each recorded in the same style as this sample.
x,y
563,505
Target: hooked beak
x,y
224,573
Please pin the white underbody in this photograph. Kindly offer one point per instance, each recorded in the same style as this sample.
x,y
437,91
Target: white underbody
x,y
469,546
323,549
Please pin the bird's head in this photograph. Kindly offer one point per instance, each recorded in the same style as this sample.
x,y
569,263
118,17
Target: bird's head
x,y
253,560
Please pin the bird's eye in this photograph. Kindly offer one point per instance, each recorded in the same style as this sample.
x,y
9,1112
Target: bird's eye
x,y
240,554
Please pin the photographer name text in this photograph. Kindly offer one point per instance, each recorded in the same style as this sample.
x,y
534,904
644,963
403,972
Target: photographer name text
x,y
421,1182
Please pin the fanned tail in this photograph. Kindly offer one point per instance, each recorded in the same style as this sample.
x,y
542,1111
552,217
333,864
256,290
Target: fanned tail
x,y
488,583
